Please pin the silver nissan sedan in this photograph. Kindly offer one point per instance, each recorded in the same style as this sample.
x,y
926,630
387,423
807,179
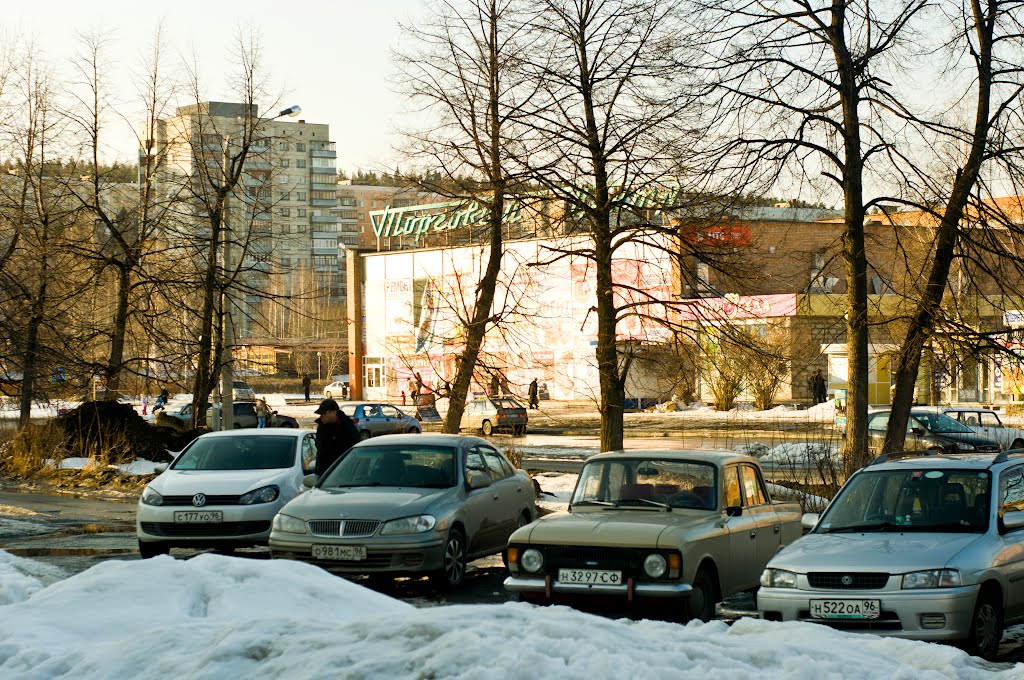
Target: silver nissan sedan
x,y
916,545
407,504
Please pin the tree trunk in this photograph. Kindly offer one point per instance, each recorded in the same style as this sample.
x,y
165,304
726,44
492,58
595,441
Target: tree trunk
x,y
30,360
115,359
612,386
203,383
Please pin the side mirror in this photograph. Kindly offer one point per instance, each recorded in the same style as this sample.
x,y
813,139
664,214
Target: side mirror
x,y
1013,519
477,480
308,481
160,468
809,520
733,511
917,431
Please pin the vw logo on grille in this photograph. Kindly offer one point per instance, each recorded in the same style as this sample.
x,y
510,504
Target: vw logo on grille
x,y
199,500
847,580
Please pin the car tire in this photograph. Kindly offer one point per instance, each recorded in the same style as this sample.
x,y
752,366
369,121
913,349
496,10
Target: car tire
x,y
238,426
453,560
519,430
486,428
1017,444
701,603
986,627
413,430
364,435
148,550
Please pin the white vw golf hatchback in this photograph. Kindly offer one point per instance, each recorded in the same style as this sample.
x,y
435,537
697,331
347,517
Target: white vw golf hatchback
x,y
223,490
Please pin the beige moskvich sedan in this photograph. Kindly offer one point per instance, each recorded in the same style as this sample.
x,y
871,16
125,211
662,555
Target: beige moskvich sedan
x,y
684,527
407,503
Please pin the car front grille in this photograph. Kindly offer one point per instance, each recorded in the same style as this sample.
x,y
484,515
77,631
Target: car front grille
x,y
627,560
344,528
210,500
987,448
837,580
213,529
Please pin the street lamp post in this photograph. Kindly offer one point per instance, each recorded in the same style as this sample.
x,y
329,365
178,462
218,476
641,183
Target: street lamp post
x,y
227,416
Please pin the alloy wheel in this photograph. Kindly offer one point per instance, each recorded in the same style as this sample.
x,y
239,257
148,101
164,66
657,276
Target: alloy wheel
x,y
454,559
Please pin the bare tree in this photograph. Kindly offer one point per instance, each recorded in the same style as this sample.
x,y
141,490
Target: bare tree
x,y
987,35
608,141
805,96
465,75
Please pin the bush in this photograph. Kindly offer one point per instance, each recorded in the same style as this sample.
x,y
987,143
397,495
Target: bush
x,y
110,432
32,450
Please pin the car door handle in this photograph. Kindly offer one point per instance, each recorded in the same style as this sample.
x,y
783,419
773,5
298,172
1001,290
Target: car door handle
x,y
753,533
775,529
496,497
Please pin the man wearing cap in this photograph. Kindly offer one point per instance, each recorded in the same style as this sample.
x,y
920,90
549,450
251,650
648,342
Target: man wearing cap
x,y
335,434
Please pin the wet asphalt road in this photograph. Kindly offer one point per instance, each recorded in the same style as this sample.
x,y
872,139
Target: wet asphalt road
x,y
78,533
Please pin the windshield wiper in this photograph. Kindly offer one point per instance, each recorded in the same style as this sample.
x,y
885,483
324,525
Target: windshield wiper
x,y
854,528
643,500
606,503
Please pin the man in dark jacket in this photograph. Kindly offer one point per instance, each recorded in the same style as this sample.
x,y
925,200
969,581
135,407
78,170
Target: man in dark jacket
x,y
335,434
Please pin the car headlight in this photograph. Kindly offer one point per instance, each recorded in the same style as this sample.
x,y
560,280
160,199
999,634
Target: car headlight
x,y
266,494
655,565
408,525
778,578
289,524
932,578
964,446
151,497
532,560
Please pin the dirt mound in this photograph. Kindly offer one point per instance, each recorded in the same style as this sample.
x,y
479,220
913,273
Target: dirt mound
x,y
114,433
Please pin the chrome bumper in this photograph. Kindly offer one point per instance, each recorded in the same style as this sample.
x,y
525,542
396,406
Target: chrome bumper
x,y
516,584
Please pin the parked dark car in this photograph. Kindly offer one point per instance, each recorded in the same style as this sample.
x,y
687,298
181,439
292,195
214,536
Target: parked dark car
x,y
930,430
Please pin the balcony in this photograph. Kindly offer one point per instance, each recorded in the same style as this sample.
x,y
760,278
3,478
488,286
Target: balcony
x,y
323,219
323,153
320,186
324,202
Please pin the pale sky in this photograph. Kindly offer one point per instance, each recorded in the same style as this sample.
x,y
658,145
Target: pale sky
x,y
333,58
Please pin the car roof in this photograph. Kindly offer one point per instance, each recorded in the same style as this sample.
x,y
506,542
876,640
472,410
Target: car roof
x,y
260,432
700,456
973,461
426,439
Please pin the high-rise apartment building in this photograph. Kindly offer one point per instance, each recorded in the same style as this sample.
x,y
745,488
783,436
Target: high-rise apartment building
x,y
284,208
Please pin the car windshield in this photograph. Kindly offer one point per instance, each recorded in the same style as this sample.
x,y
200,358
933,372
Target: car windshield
x,y
935,500
238,452
640,482
940,423
428,467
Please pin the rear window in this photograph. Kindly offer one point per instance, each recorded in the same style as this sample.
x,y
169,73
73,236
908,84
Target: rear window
x,y
507,403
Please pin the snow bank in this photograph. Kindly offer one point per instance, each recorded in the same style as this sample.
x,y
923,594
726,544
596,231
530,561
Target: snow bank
x,y
139,466
19,578
801,454
217,617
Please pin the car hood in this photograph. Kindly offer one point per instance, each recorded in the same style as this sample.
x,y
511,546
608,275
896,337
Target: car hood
x,y
215,482
891,552
614,528
381,503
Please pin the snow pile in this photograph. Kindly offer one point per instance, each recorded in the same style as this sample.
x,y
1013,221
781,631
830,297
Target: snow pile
x,y
139,466
217,617
19,578
804,454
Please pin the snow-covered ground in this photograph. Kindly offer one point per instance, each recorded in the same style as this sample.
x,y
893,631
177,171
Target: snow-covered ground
x,y
226,617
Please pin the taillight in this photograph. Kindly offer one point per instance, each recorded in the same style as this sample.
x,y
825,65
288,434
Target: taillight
x,y
355,420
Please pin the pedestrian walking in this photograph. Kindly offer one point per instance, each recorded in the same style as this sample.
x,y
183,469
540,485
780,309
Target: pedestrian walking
x,y
262,412
306,384
335,434
820,389
145,404
534,394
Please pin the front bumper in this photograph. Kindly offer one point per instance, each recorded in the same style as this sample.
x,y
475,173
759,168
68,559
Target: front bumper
x,y
913,614
550,587
395,555
242,525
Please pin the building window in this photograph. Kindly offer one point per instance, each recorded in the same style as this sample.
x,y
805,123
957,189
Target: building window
x,y
300,229
300,146
284,162
301,195
300,163
283,179
361,204
286,195
301,212
282,146
325,243
284,212
286,262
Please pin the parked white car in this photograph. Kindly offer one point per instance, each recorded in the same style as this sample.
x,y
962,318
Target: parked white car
x,y
986,421
337,390
223,490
